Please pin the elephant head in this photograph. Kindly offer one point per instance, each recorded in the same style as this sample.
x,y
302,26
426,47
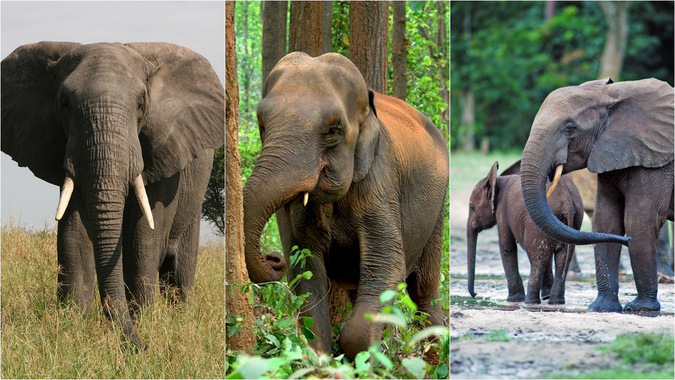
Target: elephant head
x,y
319,134
103,119
601,125
481,217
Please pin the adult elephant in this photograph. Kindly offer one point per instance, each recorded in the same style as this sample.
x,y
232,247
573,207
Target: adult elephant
x,y
356,177
106,120
624,132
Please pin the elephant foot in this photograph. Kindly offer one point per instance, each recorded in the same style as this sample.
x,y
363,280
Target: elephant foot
x,y
532,299
545,293
556,301
605,304
642,305
517,297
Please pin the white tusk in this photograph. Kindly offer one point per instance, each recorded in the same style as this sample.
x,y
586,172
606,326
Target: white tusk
x,y
142,197
556,178
64,198
304,201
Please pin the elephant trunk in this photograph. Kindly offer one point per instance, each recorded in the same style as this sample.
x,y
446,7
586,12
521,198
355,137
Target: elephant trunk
x,y
271,185
534,171
471,238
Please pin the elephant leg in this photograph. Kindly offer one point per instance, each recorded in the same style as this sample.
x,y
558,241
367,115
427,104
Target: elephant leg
x,y
177,272
77,269
382,267
563,254
423,282
547,282
664,264
540,265
608,215
509,252
574,264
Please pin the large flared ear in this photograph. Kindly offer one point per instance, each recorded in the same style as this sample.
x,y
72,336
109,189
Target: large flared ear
x,y
639,127
185,112
491,185
31,132
368,141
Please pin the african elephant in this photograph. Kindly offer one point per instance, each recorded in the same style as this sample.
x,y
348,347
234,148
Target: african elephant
x,y
359,179
113,122
624,133
499,200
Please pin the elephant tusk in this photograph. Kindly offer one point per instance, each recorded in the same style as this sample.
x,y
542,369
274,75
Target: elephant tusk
x,y
64,198
556,178
142,197
304,201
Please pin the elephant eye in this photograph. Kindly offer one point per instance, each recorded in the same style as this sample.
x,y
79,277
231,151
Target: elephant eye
x,y
569,129
472,208
333,134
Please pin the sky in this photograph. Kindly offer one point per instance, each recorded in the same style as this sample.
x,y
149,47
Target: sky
x,y
199,25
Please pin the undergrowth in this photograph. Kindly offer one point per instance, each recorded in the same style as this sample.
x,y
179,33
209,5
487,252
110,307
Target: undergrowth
x,y
283,349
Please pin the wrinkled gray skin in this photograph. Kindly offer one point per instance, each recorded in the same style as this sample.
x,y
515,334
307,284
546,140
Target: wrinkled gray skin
x,y
376,172
499,200
624,133
102,114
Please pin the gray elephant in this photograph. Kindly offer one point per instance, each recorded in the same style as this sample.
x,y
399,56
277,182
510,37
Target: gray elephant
x,y
499,200
129,130
356,177
624,133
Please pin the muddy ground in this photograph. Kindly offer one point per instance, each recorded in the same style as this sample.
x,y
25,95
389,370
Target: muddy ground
x,y
535,341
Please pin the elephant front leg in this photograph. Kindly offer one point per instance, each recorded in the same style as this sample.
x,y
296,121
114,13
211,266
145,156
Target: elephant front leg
x,y
608,218
509,252
382,267
77,270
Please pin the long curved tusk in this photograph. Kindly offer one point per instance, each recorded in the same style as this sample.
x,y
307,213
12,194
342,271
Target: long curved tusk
x,y
142,197
64,198
304,201
556,178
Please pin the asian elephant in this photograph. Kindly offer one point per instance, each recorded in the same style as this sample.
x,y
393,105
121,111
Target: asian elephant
x,y
624,133
129,130
499,200
359,179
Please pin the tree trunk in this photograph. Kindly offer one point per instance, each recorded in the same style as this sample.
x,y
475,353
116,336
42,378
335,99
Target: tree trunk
x,y
307,31
327,41
236,302
468,120
616,13
368,36
550,10
399,50
274,33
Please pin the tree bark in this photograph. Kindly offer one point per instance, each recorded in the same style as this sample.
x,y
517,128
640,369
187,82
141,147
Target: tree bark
x,y
368,36
616,13
307,32
236,302
468,119
399,50
274,33
550,10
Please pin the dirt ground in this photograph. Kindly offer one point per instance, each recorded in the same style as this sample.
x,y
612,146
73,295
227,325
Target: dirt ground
x,y
537,340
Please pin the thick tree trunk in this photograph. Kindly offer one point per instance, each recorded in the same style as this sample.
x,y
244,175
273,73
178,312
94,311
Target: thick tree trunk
x,y
307,32
235,301
274,33
468,120
616,13
368,36
399,50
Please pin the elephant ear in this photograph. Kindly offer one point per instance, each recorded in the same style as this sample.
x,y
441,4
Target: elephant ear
x,y
491,185
597,82
31,132
368,142
639,127
185,112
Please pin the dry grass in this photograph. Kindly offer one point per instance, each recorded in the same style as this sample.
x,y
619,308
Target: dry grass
x,y
42,339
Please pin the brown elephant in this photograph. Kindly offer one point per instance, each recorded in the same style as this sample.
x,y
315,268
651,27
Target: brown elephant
x,y
624,133
129,130
499,200
359,179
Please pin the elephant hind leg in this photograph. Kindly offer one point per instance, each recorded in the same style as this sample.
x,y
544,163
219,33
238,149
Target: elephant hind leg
x,y
423,282
177,271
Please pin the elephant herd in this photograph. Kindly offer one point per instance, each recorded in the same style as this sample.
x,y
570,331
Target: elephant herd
x,y
359,178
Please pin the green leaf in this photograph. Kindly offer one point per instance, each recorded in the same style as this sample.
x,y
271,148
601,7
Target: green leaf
x,y
273,339
428,332
391,319
309,334
252,368
361,362
308,322
383,360
285,323
416,366
307,275
387,296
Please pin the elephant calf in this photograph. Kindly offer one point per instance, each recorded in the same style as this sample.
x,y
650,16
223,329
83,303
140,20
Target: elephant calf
x,y
499,200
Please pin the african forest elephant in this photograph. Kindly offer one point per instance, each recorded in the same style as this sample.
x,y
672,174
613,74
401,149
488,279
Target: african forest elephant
x,y
115,123
359,179
499,200
624,133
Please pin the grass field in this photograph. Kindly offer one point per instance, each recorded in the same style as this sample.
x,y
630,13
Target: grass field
x,y
468,168
42,339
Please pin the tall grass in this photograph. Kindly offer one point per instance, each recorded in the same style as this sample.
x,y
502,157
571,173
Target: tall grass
x,y
41,338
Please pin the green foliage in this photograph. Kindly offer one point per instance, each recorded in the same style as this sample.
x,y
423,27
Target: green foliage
x,y
283,350
213,206
512,58
643,348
